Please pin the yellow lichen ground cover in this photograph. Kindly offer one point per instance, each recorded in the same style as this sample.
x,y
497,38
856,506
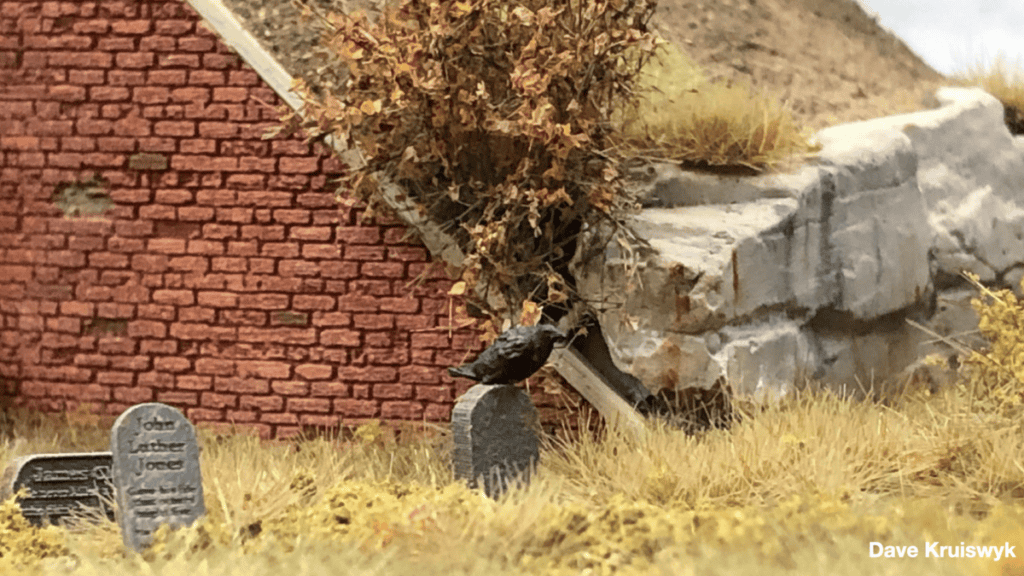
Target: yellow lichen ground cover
x,y
814,485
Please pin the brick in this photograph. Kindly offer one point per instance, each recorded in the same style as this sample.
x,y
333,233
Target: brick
x,y
230,94
134,59
312,233
166,245
195,213
198,314
218,129
126,78
140,26
196,331
198,264
340,338
183,128
215,400
236,385
244,248
392,391
158,44
108,260
151,94
206,78
322,405
261,403
132,394
264,369
173,196
290,388
313,302
366,253
133,125
205,247
217,299
173,27
193,382
244,317
321,251
402,410
437,394
253,164
173,364
204,415
117,144
279,335
419,374
243,78
91,26
165,78
195,44
283,418
299,164
358,303
73,308
314,371
382,269
176,297
115,378
83,59
66,93
204,163
330,389
359,235
339,269
177,398
156,312
159,380
215,366
356,408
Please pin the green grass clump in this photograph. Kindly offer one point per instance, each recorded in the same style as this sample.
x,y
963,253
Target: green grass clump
x,y
683,118
1005,81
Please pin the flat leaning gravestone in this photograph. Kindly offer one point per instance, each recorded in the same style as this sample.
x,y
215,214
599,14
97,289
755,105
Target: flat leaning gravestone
x,y
60,485
494,427
155,471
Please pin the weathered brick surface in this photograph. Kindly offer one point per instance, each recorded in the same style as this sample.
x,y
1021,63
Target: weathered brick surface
x,y
222,279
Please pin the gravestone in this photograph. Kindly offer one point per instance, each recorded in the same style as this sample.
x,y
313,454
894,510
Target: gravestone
x,y
60,485
155,472
495,437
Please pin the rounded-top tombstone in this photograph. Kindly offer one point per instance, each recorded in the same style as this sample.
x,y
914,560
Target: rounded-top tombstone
x,y
494,427
155,472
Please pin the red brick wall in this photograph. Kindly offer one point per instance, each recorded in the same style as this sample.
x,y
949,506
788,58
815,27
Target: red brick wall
x,y
224,279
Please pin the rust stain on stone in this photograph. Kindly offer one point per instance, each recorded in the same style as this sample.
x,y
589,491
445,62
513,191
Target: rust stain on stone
x,y
735,276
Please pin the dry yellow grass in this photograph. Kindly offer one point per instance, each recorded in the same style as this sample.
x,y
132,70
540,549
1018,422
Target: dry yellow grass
x,y
1004,80
683,118
804,486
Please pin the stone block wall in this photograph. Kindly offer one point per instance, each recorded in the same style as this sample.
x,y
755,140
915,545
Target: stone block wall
x,y
153,247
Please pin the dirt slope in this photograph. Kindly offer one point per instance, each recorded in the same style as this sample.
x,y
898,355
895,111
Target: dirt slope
x,y
826,59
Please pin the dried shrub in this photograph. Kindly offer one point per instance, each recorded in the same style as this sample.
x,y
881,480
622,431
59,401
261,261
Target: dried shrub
x,y
494,117
995,375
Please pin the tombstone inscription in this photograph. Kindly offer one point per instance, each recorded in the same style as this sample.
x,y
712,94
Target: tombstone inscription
x,y
155,472
494,427
60,485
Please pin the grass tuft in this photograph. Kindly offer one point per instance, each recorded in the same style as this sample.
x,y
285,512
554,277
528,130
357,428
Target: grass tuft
x,y
683,118
1004,80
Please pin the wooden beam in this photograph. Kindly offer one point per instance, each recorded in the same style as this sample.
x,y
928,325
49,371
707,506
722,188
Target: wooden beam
x,y
568,362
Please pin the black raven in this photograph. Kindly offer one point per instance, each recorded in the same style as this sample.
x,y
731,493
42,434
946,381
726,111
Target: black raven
x,y
514,356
